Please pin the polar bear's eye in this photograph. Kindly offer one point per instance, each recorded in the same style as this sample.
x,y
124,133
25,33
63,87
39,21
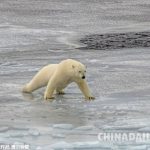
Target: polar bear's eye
x,y
79,71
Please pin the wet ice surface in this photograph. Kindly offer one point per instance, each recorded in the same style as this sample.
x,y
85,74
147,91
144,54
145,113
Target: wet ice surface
x,y
35,33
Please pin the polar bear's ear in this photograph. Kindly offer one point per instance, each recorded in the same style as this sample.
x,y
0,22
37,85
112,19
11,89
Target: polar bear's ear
x,y
73,66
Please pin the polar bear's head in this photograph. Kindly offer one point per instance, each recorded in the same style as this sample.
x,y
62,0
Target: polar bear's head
x,y
79,70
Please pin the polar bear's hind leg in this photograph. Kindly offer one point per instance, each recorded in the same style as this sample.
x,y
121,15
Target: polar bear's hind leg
x,y
40,79
31,86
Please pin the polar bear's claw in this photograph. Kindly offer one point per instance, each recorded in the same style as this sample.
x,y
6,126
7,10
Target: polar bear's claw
x,y
90,98
49,98
61,93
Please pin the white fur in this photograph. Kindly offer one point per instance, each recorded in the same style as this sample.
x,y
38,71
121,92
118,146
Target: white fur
x,y
57,76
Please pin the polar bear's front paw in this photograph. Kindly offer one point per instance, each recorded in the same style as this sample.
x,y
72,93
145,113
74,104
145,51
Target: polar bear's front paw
x,y
60,92
47,97
90,98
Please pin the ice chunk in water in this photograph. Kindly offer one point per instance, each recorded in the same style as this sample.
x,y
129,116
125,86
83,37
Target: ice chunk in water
x,y
34,132
145,129
79,145
84,128
63,126
58,135
61,145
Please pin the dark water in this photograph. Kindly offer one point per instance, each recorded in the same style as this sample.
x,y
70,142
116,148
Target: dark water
x,y
116,41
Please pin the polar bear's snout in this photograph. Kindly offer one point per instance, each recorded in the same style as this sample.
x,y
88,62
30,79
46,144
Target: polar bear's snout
x,y
83,77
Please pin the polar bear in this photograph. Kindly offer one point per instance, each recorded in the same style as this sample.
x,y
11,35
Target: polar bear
x,y
57,76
